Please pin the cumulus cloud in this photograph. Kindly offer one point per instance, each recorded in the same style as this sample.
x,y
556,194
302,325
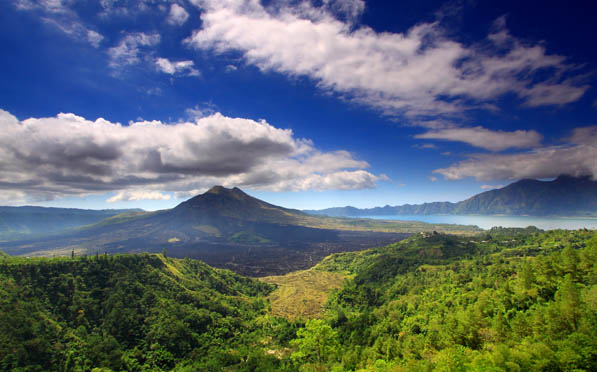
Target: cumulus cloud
x,y
485,138
70,155
418,72
130,195
577,157
176,67
127,51
178,15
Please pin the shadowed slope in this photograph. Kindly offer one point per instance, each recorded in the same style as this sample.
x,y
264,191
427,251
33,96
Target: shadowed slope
x,y
227,228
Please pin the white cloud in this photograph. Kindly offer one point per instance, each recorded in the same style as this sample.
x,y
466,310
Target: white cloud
x,y
543,94
584,136
491,187
178,15
70,155
351,10
201,111
13,197
131,195
425,146
94,38
419,72
485,138
577,157
57,14
50,6
130,8
432,179
178,67
127,51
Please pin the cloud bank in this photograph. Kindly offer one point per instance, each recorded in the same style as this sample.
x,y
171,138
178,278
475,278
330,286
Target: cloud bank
x,y
485,138
70,155
577,157
419,72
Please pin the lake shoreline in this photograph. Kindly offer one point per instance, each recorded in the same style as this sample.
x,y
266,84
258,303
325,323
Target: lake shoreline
x,y
486,222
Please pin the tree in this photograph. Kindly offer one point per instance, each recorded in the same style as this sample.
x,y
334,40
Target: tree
x,y
568,296
317,344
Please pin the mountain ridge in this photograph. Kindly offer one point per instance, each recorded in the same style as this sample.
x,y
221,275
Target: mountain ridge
x,y
564,196
19,221
227,228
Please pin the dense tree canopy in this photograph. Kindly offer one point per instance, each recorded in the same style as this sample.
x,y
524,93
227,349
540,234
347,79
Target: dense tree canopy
x,y
505,300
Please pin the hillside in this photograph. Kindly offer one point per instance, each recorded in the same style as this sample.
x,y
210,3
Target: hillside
x,y
563,196
302,294
512,300
507,300
16,222
230,229
133,313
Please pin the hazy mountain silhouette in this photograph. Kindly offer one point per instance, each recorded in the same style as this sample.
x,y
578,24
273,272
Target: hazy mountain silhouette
x,y
18,221
563,196
224,227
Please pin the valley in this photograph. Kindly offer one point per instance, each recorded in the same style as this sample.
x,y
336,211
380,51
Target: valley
x,y
298,186
507,299
227,228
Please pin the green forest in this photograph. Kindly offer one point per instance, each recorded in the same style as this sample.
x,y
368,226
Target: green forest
x,y
503,300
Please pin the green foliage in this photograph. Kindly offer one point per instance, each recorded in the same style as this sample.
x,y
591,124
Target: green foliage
x,y
316,344
248,238
506,300
509,300
133,313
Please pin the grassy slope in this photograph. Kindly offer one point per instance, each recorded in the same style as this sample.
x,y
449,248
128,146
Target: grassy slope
x,y
302,294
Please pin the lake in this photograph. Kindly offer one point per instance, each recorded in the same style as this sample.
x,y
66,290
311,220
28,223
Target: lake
x,y
487,222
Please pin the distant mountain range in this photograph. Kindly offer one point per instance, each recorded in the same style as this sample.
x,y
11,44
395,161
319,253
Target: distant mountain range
x,y
226,228
564,196
18,221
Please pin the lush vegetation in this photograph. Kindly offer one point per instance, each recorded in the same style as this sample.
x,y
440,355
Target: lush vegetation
x,y
506,300
226,228
511,300
129,313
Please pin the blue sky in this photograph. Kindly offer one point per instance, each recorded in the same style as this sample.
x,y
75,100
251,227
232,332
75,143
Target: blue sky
x,y
144,103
